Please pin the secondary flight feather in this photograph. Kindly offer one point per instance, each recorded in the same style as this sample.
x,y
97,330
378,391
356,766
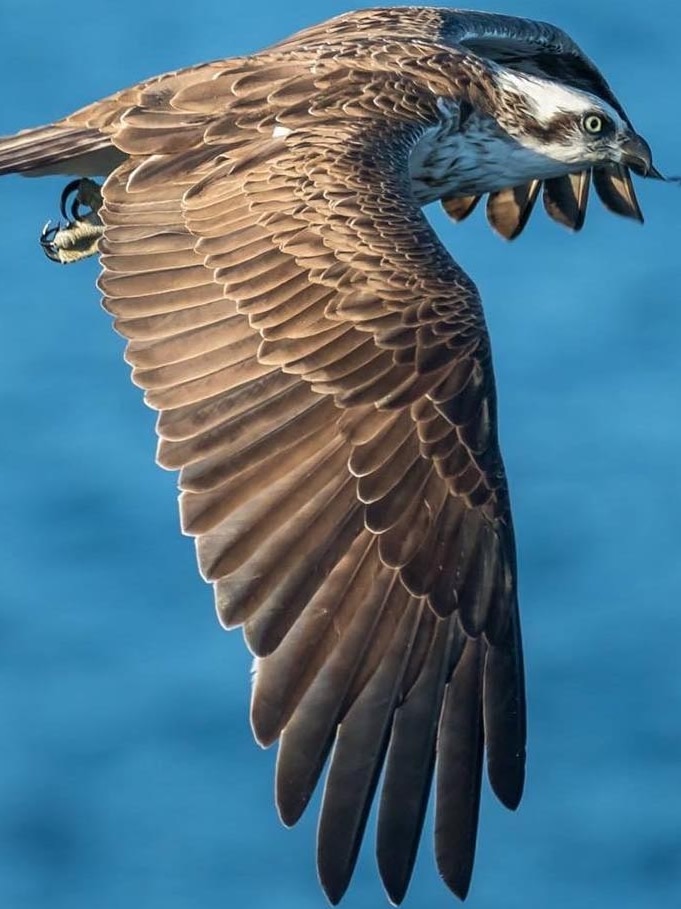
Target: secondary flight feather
x,y
323,376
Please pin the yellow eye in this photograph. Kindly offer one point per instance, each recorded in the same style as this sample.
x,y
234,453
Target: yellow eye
x,y
593,124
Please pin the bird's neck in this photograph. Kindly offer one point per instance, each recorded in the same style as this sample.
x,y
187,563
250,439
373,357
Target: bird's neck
x,y
476,158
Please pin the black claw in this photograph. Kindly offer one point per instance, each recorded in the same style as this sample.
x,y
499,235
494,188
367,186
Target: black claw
x,y
80,229
72,214
48,233
47,236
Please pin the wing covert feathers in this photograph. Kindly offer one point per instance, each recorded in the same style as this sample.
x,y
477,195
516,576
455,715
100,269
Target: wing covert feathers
x,y
334,424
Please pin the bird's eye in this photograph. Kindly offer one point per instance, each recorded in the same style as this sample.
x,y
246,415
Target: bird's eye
x,y
593,123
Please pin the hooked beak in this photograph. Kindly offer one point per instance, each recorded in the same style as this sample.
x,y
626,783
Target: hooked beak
x,y
637,155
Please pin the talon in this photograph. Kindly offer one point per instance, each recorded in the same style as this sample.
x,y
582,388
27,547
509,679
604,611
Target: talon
x,y
48,232
66,192
47,236
78,238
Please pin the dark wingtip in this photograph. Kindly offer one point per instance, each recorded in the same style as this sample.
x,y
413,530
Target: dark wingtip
x,y
395,890
615,190
566,199
507,784
333,897
508,210
459,207
334,877
395,875
460,883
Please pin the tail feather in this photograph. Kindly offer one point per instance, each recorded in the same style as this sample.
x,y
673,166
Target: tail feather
x,y
59,148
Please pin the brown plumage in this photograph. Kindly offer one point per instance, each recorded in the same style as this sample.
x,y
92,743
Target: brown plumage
x,y
324,383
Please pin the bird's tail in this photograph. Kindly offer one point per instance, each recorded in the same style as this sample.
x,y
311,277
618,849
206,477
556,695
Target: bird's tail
x,y
60,148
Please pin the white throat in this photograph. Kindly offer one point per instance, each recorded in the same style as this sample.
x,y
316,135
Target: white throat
x,y
474,161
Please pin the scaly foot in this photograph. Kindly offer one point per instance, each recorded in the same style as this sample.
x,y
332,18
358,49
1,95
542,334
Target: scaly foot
x,y
78,238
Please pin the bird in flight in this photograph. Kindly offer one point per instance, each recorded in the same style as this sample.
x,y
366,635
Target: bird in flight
x,y
323,376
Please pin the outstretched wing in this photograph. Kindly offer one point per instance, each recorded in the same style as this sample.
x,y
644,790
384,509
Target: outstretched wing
x,y
535,48
323,375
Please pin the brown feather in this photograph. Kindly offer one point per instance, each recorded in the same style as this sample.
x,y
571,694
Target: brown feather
x,y
459,207
459,770
410,761
616,191
358,754
508,210
565,199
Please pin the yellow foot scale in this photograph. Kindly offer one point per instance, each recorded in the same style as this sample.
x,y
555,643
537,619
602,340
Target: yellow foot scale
x,y
79,237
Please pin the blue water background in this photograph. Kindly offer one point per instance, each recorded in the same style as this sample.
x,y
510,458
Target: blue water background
x,y
128,775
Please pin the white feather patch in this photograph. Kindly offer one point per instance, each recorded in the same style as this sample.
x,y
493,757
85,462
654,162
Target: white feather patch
x,y
551,98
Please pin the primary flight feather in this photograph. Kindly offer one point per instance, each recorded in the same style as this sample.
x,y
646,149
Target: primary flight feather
x,y
324,382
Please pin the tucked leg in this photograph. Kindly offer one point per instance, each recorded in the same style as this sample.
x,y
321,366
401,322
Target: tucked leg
x,y
78,238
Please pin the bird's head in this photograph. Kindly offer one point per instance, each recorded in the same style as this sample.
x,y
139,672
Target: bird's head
x,y
572,128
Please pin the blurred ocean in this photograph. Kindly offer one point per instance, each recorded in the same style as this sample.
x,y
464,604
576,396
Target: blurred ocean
x,y
128,775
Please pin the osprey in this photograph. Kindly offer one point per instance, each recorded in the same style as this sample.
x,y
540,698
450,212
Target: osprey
x,y
323,375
